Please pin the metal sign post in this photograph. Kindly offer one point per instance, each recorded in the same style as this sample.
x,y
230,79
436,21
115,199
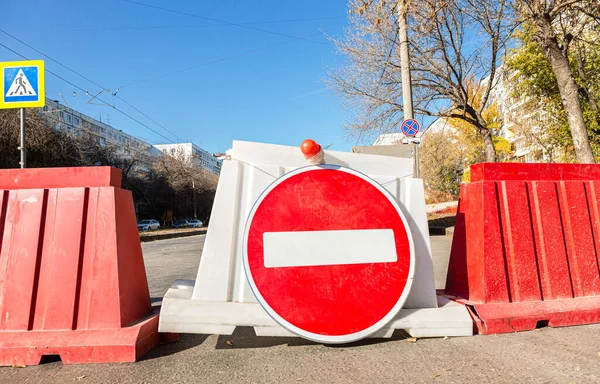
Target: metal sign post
x,y
416,156
23,147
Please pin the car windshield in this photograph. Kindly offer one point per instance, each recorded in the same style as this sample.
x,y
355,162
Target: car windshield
x,y
143,222
195,221
180,222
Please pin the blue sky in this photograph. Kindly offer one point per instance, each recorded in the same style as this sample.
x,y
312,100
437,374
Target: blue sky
x,y
275,95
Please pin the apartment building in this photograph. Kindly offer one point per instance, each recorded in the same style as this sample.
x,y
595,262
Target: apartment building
x,y
192,152
76,123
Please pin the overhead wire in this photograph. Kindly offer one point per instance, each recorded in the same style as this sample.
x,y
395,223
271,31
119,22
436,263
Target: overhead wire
x,y
226,58
217,20
83,90
159,76
102,29
93,82
99,136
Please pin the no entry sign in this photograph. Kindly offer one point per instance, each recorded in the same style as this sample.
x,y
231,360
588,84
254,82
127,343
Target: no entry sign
x,y
328,254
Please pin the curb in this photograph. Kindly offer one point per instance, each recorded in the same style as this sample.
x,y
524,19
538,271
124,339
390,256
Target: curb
x,y
163,236
437,231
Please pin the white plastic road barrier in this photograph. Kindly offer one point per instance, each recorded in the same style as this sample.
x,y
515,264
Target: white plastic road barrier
x,y
261,237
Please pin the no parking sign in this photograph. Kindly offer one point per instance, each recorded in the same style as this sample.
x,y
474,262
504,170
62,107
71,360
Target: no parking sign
x,y
410,127
328,254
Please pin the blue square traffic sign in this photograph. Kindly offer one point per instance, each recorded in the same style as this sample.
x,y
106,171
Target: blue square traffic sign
x,y
21,84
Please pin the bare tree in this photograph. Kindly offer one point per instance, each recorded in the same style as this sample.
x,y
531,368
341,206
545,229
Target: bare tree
x,y
444,62
182,174
94,150
442,161
159,185
46,147
559,25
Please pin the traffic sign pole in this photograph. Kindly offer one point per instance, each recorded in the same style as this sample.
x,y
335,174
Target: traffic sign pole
x,y
23,148
416,159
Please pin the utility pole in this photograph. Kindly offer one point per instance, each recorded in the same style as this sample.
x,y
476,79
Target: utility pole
x,y
22,147
407,102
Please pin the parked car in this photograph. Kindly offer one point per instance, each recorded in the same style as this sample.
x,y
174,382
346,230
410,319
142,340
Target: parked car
x,y
147,225
195,223
181,224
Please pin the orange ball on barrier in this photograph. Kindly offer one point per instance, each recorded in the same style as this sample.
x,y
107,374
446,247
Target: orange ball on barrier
x,y
310,148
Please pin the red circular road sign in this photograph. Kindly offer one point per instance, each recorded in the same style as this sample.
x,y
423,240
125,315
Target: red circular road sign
x,y
328,254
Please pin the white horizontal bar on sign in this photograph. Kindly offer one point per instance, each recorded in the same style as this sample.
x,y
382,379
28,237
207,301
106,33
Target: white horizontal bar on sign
x,y
316,248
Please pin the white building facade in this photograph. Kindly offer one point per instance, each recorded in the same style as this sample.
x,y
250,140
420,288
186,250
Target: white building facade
x,y
522,123
192,152
76,123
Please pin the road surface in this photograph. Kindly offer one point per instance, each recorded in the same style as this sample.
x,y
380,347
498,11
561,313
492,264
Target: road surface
x,y
563,355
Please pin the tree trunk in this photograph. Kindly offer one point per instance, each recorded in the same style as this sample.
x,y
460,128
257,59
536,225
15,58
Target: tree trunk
x,y
488,144
569,91
486,136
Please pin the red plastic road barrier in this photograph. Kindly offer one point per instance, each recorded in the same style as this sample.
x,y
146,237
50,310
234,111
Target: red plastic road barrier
x,y
531,172
72,277
525,246
33,178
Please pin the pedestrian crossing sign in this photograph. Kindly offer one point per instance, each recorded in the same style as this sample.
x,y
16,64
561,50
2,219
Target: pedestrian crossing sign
x,y
22,84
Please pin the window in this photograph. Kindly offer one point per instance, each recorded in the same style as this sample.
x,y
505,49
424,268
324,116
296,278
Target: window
x,y
101,141
76,120
68,118
61,114
172,151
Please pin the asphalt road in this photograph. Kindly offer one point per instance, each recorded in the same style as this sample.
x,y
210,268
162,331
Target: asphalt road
x,y
549,355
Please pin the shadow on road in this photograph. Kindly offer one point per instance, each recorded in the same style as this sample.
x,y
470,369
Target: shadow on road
x,y
245,337
398,334
186,341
